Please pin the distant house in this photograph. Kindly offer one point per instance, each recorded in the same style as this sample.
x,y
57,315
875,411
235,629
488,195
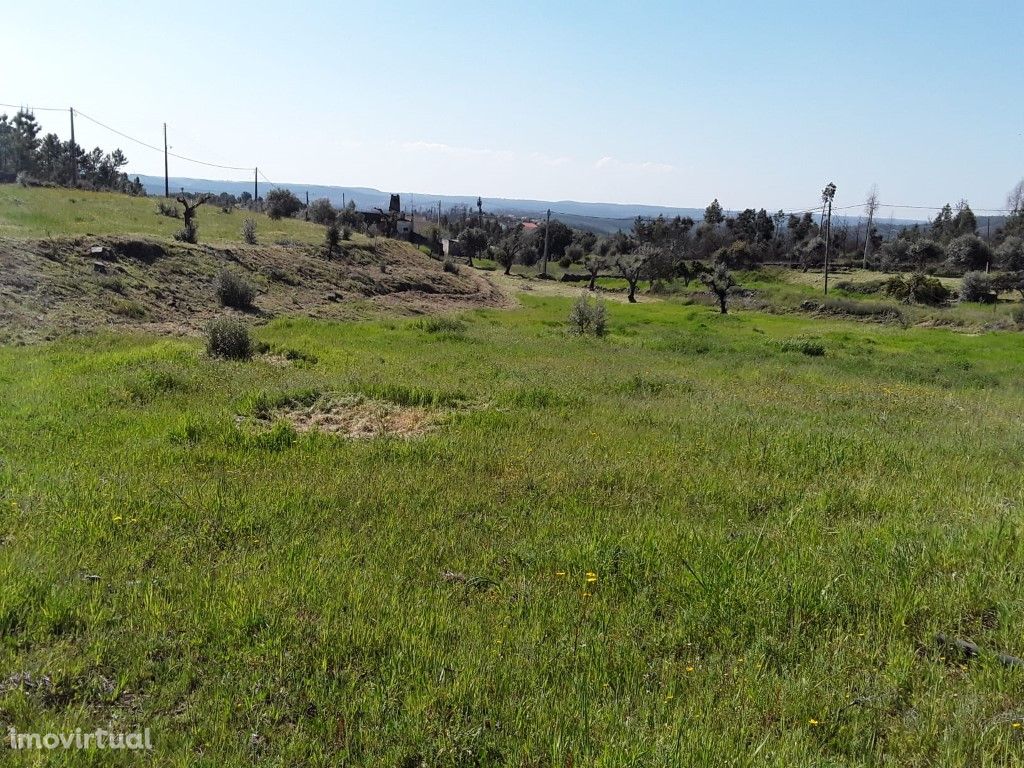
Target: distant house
x,y
529,226
403,227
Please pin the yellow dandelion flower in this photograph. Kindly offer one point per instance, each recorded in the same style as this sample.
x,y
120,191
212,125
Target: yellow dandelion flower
x,y
1016,725
117,518
591,576
559,573
586,594
689,669
812,721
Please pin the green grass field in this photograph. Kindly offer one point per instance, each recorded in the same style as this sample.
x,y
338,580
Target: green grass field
x,y
686,543
42,212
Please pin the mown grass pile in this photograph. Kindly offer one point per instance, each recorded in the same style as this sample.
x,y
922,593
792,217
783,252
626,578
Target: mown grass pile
x,y
682,543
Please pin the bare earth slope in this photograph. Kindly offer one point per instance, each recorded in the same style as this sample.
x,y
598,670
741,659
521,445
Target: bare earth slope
x,y
55,286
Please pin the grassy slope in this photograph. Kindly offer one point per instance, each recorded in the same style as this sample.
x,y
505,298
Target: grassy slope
x,y
775,538
41,212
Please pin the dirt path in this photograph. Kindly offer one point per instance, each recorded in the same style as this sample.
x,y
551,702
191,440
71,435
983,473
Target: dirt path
x,y
513,285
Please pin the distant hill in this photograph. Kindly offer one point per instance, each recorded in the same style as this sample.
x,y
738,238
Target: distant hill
x,y
602,218
599,217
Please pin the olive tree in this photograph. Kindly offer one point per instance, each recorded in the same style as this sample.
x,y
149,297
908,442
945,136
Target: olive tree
x,y
719,280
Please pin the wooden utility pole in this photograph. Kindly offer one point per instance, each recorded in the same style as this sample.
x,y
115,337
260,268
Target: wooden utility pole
x,y
167,178
74,150
256,185
871,205
827,196
547,239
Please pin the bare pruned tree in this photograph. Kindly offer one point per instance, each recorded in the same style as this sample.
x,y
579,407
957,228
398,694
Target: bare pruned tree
x,y
870,207
189,232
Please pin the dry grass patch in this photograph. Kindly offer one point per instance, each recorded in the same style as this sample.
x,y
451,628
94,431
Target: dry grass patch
x,y
358,417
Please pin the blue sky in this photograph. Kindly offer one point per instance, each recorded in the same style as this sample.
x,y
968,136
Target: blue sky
x,y
758,104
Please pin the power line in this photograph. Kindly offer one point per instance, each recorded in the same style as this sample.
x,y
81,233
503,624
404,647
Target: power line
x,y
124,135
264,177
35,109
158,149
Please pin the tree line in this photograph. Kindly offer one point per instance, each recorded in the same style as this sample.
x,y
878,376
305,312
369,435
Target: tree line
x,y
31,160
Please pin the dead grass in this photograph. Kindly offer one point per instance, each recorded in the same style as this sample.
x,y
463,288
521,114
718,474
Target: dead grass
x,y
358,417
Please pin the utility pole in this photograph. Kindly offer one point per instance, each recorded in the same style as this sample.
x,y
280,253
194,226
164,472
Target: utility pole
x,y
827,195
547,239
74,150
871,205
255,185
167,178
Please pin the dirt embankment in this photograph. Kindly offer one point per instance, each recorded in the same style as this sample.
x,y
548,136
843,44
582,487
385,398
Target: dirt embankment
x,y
62,286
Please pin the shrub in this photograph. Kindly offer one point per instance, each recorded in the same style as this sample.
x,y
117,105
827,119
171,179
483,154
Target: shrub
x,y
809,347
565,262
834,305
866,287
1011,254
168,209
188,233
346,233
282,203
451,267
249,230
331,238
228,338
442,325
1018,315
924,252
969,252
234,291
322,212
588,315
976,286
919,288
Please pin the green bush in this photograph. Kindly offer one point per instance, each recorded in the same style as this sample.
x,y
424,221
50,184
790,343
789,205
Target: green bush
x,y
1018,315
282,204
919,288
229,338
588,315
249,230
976,286
188,233
865,287
809,347
451,267
234,291
449,325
